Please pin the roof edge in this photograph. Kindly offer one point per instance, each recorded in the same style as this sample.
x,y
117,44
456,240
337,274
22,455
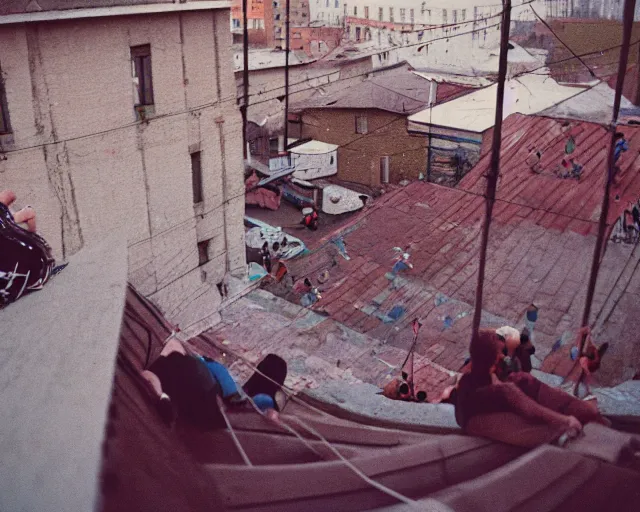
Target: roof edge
x,y
124,10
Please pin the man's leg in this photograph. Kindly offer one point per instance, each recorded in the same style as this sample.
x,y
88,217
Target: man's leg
x,y
556,399
224,378
513,429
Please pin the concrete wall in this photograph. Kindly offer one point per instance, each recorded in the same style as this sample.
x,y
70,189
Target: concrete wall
x,y
359,155
65,80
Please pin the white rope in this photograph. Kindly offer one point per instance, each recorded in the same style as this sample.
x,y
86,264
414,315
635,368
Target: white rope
x,y
233,434
390,492
287,428
382,488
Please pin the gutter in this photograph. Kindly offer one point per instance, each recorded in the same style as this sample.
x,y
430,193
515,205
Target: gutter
x,y
125,10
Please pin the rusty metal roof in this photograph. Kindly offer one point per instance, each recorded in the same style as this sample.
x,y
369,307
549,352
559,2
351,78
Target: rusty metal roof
x,y
147,466
540,251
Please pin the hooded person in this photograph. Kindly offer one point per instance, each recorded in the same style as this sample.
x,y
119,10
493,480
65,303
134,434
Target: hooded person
x,y
522,411
26,260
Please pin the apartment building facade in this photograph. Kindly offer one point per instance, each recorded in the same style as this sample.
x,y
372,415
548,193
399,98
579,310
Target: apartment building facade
x,y
121,120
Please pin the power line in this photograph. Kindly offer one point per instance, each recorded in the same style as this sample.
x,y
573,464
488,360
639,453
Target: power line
x,y
232,99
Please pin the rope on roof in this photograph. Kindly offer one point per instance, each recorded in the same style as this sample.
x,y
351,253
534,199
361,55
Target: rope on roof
x,y
236,441
390,492
287,428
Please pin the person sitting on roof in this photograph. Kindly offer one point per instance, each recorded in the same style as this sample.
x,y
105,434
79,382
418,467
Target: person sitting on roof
x,y
509,363
589,361
621,146
535,413
310,218
26,259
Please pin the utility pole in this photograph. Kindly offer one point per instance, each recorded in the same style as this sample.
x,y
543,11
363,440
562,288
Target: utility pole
x,y
494,172
286,77
245,78
629,8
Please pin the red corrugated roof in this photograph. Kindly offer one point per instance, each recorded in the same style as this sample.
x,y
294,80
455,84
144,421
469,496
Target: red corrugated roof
x,y
540,248
568,203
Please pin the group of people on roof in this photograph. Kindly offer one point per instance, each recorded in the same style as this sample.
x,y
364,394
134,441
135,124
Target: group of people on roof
x,y
498,398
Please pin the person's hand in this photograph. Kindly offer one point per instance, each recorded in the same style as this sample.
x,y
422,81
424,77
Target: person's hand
x,y
573,424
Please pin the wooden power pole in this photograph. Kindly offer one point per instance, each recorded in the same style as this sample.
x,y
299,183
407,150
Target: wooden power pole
x,y
629,8
286,76
245,78
492,178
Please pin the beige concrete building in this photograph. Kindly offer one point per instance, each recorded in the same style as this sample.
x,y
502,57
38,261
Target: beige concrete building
x,y
121,118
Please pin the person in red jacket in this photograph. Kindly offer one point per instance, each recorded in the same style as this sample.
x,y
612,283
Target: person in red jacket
x,y
522,411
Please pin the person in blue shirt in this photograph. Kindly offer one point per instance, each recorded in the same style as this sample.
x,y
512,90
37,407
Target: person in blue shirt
x,y
621,146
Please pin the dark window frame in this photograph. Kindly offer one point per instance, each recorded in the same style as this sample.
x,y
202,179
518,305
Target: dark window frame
x,y
203,252
5,121
141,58
196,177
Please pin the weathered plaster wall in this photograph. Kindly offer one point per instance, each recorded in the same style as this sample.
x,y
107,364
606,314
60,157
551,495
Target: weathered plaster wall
x,y
65,80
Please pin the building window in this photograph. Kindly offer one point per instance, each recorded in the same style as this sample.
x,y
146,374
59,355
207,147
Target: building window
x,y
361,124
384,169
5,126
196,177
391,14
444,16
464,14
203,252
455,16
380,14
337,4
412,16
366,12
141,63
475,13
403,15
355,10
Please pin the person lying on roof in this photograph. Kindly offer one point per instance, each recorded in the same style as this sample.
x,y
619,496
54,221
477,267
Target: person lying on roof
x,y
534,412
188,385
184,386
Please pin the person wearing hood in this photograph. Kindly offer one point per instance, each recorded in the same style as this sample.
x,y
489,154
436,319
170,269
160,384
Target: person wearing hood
x,y
521,411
